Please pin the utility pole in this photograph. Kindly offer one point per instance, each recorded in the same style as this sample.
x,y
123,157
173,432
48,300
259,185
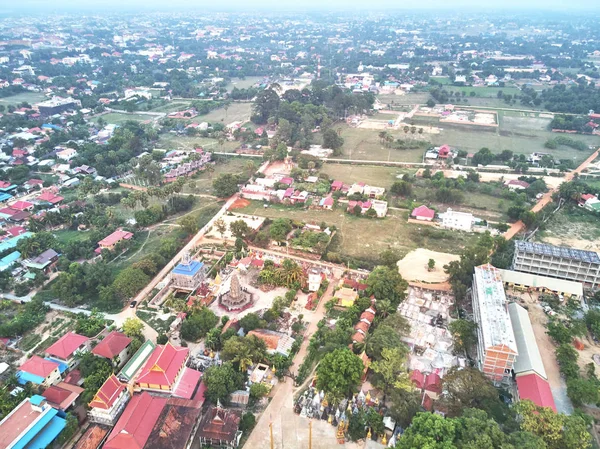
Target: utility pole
x,y
271,433
310,434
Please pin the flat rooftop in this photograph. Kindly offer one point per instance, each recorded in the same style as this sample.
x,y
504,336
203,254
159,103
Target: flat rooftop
x,y
17,423
495,322
543,249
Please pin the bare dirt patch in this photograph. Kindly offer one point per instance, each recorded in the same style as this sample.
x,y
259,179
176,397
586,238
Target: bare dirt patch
x,y
240,203
413,267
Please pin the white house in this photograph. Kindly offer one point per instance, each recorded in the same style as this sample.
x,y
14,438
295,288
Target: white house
x,y
314,279
461,221
67,154
380,208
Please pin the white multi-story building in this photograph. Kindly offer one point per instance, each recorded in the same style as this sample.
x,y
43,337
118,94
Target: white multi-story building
x,y
109,402
557,262
496,343
461,221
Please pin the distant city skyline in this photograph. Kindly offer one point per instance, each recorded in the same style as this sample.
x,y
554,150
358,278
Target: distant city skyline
x,y
149,5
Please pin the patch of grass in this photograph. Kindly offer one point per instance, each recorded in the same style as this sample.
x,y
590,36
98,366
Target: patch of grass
x,y
202,182
371,175
29,97
363,239
173,106
117,118
236,112
29,341
247,82
407,99
171,141
68,235
46,344
365,144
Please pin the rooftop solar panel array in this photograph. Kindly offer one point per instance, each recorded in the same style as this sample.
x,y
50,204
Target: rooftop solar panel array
x,y
543,249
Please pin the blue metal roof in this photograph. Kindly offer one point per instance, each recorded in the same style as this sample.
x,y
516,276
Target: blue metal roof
x,y
48,433
9,188
8,260
24,377
188,269
5,196
543,249
62,367
12,242
37,399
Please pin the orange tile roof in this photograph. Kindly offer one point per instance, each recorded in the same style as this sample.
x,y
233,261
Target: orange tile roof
x,y
108,393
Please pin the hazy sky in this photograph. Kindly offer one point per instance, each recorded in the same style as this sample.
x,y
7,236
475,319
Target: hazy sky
x,y
146,5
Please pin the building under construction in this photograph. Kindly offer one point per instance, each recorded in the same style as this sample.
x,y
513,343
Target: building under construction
x,y
496,346
557,262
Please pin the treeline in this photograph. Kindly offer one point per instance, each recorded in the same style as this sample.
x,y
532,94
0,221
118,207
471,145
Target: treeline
x,y
566,141
577,99
579,123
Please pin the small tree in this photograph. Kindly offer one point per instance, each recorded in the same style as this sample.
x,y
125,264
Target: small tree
x,y
430,264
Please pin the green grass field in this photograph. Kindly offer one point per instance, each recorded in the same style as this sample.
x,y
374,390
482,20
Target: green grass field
x,y
173,106
237,112
371,175
116,118
29,97
364,239
202,181
408,99
364,144
249,81
173,141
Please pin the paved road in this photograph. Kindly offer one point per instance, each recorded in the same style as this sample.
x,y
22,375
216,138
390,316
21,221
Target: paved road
x,y
547,198
187,248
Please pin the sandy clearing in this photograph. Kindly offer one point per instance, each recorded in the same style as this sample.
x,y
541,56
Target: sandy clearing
x,y
414,265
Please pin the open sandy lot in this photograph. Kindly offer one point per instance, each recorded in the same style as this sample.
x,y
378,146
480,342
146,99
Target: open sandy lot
x,y
413,267
254,222
589,245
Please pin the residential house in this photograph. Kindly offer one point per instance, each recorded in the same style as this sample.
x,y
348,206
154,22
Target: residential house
x,y
114,347
590,202
111,240
346,297
32,424
219,427
380,208
44,262
364,323
373,192
315,277
423,213
357,187
327,203
67,154
299,197
62,396
64,351
49,197
163,368
461,221
109,402
39,371
9,260
515,184
22,206
336,185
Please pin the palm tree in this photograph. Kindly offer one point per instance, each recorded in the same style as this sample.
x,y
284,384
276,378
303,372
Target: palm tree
x,y
251,167
210,169
382,135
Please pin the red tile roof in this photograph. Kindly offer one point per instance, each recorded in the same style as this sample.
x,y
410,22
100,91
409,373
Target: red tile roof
x,y
112,345
423,212
92,438
21,205
358,337
38,366
417,378
108,393
433,383
50,197
163,365
67,345
115,237
536,389
16,231
63,395
4,184
74,377
136,423
187,383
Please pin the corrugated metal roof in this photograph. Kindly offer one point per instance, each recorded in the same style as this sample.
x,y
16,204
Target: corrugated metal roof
x,y
543,249
529,358
536,280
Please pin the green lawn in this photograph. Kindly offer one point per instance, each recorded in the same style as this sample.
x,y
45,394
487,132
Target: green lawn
x,y
371,175
236,112
202,181
67,235
249,81
364,239
173,106
116,118
364,144
172,141
29,97
482,92
408,99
